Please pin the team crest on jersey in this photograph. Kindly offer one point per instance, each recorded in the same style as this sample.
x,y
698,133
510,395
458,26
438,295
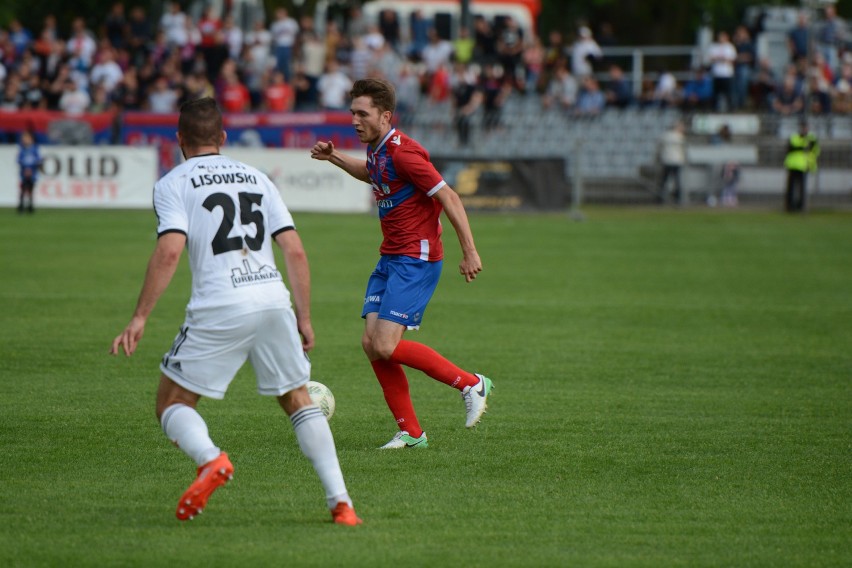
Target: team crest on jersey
x,y
382,163
246,276
386,189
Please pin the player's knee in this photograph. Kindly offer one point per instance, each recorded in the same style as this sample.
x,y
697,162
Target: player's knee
x,y
367,346
383,349
377,349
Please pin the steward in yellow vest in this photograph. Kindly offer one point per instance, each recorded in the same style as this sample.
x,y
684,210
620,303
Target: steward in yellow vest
x,y
802,153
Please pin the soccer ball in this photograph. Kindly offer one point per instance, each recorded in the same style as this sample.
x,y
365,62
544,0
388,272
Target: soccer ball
x,y
322,397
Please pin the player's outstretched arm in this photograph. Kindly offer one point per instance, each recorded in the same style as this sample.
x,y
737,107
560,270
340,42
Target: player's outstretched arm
x,y
299,278
161,267
470,264
355,167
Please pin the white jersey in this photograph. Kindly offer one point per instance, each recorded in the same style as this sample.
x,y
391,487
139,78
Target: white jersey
x,y
229,212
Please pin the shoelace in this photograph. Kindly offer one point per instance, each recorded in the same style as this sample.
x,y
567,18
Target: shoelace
x,y
468,398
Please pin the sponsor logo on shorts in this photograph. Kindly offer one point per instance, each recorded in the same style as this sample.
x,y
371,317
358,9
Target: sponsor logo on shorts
x,y
399,315
245,276
373,300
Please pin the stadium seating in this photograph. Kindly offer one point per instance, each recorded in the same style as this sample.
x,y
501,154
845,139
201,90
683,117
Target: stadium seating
x,y
616,150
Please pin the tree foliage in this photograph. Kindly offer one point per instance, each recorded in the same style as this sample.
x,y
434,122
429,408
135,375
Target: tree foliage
x,y
649,22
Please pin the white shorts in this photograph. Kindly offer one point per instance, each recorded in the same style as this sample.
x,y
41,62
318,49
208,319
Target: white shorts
x,y
210,349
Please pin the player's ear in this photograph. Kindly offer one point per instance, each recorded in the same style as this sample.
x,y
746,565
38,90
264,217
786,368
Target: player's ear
x,y
180,144
223,139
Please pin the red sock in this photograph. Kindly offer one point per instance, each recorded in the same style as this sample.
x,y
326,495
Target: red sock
x,y
395,387
424,358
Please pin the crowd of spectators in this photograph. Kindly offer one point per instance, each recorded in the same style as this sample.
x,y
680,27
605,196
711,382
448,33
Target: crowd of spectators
x,y
131,62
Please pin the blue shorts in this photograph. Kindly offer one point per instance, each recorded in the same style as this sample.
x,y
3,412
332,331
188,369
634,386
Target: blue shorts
x,y
400,288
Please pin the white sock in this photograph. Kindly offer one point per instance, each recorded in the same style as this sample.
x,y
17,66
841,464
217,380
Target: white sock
x,y
187,429
317,444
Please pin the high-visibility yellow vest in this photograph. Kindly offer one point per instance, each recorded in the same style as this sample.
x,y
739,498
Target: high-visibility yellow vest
x,y
802,152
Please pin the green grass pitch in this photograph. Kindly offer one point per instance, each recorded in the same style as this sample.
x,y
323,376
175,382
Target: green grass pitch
x,y
673,388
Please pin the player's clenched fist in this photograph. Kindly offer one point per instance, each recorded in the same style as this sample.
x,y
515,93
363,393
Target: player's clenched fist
x,y
322,150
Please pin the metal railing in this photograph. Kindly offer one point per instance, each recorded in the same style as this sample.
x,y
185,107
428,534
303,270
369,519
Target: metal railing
x,y
638,69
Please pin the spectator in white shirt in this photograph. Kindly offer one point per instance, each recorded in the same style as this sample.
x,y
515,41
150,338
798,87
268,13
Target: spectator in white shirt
x,y
259,42
334,86
722,54
562,89
284,31
437,52
583,52
360,59
106,72
233,36
665,93
373,39
81,47
173,24
74,100
162,97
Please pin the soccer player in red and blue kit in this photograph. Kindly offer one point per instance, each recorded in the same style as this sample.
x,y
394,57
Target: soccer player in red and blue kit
x,y
410,195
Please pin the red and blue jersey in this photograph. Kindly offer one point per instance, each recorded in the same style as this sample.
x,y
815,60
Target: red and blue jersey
x,y
404,181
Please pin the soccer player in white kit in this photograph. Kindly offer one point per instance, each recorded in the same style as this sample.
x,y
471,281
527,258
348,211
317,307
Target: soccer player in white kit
x,y
226,214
